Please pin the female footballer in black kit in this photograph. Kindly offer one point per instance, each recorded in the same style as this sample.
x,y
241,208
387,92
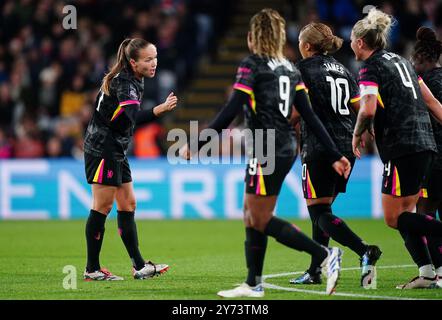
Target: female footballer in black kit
x,y
393,110
269,85
334,95
117,112
427,51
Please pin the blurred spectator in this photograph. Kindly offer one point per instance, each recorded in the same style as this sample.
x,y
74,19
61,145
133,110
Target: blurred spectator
x,y
53,147
5,145
29,142
66,129
49,87
147,141
73,98
6,105
28,146
167,54
77,150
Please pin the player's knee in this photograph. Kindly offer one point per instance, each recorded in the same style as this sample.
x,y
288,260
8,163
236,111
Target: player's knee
x,y
391,221
127,204
259,222
131,205
105,208
255,224
246,219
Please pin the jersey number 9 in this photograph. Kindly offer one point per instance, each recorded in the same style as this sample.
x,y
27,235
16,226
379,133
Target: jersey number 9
x,y
284,94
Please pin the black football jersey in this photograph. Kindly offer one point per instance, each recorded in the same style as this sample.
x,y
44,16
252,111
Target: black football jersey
x,y
271,85
113,122
331,89
402,122
433,80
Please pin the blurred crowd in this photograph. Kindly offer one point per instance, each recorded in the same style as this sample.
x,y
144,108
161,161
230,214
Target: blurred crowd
x,y
49,76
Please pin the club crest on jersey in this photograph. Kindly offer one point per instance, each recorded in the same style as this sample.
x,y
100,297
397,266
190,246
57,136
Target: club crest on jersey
x,y
133,94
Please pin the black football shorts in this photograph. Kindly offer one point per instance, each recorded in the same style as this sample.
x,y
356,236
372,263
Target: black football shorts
x,y
107,171
432,188
405,176
320,180
267,184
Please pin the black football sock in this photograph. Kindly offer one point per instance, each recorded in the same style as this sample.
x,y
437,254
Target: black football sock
x,y
292,237
435,247
419,224
94,239
128,232
417,248
322,238
255,249
336,228
319,236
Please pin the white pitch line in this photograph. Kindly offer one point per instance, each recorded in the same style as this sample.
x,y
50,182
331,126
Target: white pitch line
x,y
341,294
276,275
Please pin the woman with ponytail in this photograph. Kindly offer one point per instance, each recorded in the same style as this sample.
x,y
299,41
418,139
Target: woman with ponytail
x,y
393,109
334,95
117,112
427,51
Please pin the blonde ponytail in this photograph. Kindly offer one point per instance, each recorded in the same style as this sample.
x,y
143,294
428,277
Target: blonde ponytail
x,y
374,29
267,30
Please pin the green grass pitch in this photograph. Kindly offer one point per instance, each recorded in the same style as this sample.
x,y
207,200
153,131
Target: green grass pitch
x,y
204,257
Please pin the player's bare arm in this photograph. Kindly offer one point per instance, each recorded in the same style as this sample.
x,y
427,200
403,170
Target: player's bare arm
x,y
364,122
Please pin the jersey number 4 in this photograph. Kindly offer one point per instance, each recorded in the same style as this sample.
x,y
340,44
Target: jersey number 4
x,y
406,79
339,100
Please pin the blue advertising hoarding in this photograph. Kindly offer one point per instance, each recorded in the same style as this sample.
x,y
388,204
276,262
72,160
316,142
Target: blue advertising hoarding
x,y
57,189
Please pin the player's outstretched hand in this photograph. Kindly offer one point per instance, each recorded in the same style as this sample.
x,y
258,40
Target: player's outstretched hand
x,y
185,152
342,167
360,141
356,142
168,105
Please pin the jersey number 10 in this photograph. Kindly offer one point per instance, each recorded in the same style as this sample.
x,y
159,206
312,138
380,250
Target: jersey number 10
x,y
338,101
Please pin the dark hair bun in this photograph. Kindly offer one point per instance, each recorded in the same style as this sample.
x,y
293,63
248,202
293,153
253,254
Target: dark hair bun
x,y
426,34
427,47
